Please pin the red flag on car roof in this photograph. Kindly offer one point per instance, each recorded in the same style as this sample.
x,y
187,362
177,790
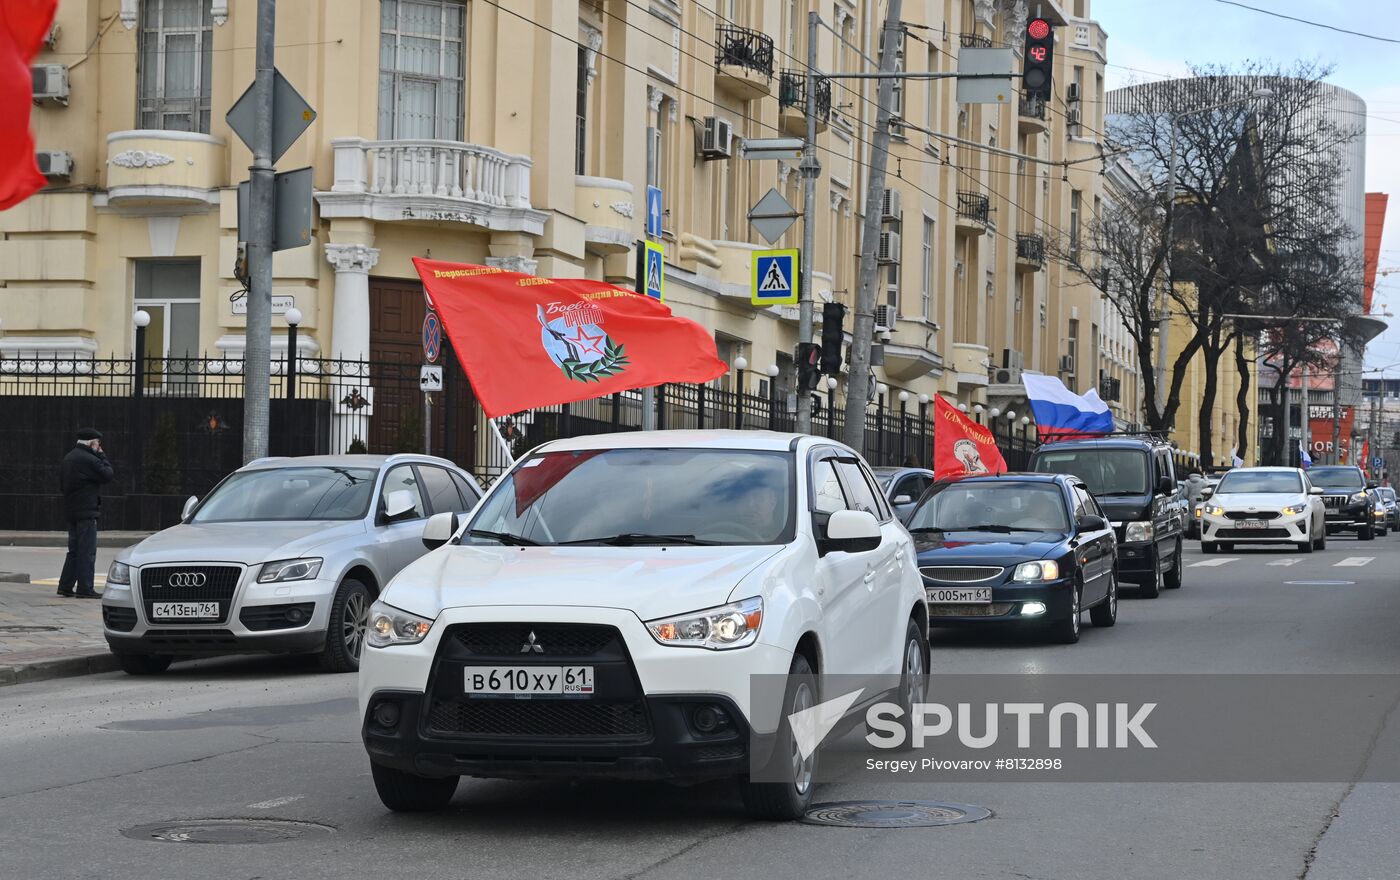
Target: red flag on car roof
x,y
23,25
962,447
526,342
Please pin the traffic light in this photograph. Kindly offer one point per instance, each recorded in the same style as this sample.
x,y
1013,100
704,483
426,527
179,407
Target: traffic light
x,y
1039,59
833,319
809,356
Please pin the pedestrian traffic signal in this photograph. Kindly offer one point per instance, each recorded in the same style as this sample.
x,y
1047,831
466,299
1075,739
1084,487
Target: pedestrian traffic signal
x,y
809,356
833,317
1039,60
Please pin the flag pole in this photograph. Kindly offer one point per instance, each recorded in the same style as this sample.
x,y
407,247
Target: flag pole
x,y
505,447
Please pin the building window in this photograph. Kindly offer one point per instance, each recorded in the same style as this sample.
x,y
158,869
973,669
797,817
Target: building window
x,y
926,291
168,291
422,49
176,50
1074,199
581,115
1072,349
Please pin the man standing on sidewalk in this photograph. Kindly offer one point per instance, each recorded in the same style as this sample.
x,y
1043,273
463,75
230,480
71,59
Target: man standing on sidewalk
x,y
85,469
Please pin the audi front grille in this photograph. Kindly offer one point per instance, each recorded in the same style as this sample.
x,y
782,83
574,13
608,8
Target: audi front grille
x,y
189,583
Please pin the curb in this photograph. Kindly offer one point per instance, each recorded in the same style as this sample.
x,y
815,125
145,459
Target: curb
x,y
13,577
109,540
64,667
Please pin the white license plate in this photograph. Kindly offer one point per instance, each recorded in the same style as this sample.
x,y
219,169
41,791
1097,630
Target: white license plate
x,y
1252,524
966,596
185,610
528,680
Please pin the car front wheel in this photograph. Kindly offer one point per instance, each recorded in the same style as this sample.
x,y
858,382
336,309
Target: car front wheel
x,y
345,632
1106,612
1172,579
1367,533
1066,630
788,800
406,793
144,664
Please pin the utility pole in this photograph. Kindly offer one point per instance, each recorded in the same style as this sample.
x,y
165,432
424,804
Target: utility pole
x,y
1305,431
1164,321
1337,410
810,169
863,327
262,209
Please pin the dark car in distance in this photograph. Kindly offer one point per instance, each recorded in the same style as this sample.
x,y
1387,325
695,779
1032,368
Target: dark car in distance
x,y
1027,549
903,487
1349,507
1134,481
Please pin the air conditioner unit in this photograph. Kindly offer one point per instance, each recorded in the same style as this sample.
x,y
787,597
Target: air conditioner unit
x,y
1012,359
55,163
1072,117
884,318
889,248
1071,93
50,83
890,208
716,142
959,268
1006,376
1067,363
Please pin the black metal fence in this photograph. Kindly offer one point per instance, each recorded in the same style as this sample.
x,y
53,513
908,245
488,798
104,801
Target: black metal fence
x,y
173,427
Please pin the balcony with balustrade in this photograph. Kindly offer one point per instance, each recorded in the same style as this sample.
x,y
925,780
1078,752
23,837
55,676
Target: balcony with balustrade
x,y
792,102
974,213
743,62
1030,252
1032,115
431,181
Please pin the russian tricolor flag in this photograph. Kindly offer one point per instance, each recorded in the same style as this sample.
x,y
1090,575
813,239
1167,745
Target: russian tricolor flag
x,y
1060,414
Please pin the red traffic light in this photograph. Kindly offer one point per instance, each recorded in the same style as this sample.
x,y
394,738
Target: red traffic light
x,y
1038,29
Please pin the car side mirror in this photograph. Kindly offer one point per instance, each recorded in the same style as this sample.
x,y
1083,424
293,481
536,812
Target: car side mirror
x,y
397,504
1206,493
439,529
188,510
852,531
1373,485
1165,485
1316,490
902,499
1090,522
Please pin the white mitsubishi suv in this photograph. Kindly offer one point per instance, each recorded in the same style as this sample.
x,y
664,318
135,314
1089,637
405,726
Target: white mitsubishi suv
x,y
604,608
285,555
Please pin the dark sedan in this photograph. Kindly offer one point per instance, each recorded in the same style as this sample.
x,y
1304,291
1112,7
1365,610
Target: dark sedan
x,y
1028,549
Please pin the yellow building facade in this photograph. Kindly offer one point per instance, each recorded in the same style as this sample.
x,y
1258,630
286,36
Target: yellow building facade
x,y
525,134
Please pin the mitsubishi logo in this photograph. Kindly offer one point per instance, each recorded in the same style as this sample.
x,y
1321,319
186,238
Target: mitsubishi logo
x,y
185,579
532,645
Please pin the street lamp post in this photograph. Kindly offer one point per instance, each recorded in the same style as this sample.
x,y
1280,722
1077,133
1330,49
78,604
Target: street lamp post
x,y
831,384
773,372
740,365
142,320
881,390
293,318
903,423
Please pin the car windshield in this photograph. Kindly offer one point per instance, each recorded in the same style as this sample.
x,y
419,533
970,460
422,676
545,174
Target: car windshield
x,y
1388,494
1005,504
1337,478
289,494
1260,481
1104,471
883,478
635,496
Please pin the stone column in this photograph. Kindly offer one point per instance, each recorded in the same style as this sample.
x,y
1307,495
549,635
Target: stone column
x,y
349,342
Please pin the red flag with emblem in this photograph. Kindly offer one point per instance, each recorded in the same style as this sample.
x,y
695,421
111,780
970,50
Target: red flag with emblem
x,y
961,446
527,342
23,25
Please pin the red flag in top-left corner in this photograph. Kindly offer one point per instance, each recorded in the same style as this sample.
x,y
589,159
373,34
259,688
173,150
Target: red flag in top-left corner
x,y
23,26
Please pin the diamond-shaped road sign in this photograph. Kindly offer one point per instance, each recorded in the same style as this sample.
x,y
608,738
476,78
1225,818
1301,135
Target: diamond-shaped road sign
x,y
291,115
292,221
772,216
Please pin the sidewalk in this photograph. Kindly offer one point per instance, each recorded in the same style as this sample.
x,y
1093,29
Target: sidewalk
x,y
44,636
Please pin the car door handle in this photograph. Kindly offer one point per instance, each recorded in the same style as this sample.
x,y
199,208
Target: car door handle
x,y
899,555
869,577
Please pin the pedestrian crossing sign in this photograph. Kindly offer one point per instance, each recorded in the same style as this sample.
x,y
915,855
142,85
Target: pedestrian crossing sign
x,y
775,278
654,271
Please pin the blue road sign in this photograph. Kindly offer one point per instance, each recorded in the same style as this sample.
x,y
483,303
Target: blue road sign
x,y
654,211
654,274
774,277
432,337
1378,462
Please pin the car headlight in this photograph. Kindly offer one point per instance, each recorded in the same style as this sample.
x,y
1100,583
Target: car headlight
x,y
730,626
392,626
1032,572
119,575
1358,498
1214,510
1139,531
1294,509
289,570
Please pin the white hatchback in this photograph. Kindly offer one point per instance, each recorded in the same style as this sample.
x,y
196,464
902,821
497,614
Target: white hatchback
x,y
604,609
1263,505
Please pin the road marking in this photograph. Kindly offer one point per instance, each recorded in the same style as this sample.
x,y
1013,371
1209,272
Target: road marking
x,y
99,580
1354,561
1211,563
276,802
1285,561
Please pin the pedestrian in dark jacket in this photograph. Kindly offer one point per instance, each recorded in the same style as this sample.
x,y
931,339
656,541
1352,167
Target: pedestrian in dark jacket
x,y
85,469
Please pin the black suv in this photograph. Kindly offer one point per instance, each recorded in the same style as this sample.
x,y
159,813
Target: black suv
x,y
1350,508
1134,481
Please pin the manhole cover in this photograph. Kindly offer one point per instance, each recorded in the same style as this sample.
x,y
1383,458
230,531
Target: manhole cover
x,y
227,831
24,628
1320,583
893,814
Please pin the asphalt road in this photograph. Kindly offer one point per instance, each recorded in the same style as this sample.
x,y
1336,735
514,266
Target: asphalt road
x,y
81,760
